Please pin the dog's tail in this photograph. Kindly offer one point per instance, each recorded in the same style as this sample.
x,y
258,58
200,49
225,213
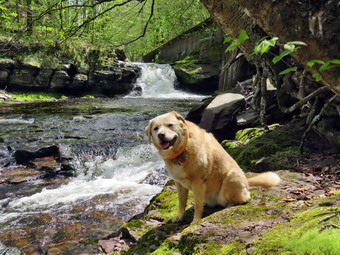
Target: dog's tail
x,y
265,180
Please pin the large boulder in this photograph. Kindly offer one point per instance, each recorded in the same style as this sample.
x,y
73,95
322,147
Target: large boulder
x,y
79,81
23,75
197,77
221,111
42,80
60,80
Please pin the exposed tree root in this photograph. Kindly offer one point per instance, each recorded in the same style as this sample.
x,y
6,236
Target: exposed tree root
x,y
315,120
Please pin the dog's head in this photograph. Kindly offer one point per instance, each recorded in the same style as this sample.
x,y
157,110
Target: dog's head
x,y
167,132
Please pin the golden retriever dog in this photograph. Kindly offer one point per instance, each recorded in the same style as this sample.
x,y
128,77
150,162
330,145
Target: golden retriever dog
x,y
197,162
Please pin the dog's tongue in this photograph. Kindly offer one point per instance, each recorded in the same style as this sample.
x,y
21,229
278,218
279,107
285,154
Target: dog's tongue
x,y
165,145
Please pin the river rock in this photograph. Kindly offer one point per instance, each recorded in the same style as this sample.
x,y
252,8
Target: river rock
x,y
23,75
197,77
79,81
3,77
221,111
43,78
60,79
247,117
24,156
7,64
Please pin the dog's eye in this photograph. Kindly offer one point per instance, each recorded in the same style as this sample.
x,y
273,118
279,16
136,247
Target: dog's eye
x,y
170,125
155,128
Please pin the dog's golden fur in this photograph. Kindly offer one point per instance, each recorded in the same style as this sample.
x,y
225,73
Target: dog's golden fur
x,y
197,162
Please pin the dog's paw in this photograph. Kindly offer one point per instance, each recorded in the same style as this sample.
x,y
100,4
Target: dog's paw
x,y
177,218
195,220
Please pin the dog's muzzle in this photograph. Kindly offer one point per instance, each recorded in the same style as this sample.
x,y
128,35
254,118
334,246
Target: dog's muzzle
x,y
165,145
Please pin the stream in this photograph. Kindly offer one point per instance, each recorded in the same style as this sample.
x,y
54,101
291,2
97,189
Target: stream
x,y
115,170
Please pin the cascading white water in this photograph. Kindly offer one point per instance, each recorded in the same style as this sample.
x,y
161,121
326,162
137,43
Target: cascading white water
x,y
121,177
158,81
114,183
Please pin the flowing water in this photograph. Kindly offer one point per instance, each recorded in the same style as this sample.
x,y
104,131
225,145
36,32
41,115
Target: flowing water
x,y
117,170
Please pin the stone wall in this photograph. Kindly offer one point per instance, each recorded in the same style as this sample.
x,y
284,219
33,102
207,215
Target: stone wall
x,y
115,79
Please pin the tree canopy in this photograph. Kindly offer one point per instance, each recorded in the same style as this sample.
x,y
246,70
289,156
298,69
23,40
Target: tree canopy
x,y
136,26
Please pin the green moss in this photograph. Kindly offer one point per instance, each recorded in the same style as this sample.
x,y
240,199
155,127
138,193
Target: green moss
x,y
164,249
212,248
301,235
167,203
260,149
134,224
29,96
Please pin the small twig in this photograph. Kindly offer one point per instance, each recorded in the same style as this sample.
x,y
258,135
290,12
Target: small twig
x,y
329,226
312,111
315,120
263,102
302,91
302,101
256,89
232,213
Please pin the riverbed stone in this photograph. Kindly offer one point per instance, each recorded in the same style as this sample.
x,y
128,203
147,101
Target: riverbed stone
x,y
23,77
24,156
7,63
43,78
221,111
79,81
60,79
247,117
3,77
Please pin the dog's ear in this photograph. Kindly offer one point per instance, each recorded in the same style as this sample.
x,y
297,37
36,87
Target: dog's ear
x,y
179,117
148,128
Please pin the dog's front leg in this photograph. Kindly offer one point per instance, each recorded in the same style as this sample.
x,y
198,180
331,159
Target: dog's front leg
x,y
182,199
198,190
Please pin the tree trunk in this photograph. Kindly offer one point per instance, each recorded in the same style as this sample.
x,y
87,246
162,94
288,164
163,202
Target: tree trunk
x,y
314,22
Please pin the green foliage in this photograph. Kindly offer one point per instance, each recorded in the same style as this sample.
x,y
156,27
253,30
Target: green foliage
x,y
323,66
288,70
265,45
289,47
235,42
104,25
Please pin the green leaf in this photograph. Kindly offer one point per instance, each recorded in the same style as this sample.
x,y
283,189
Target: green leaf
x,y
317,76
298,43
233,45
228,39
288,70
335,61
282,55
272,41
265,48
257,49
290,47
242,36
314,61
326,66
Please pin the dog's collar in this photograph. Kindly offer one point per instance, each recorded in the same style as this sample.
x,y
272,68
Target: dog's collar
x,y
175,154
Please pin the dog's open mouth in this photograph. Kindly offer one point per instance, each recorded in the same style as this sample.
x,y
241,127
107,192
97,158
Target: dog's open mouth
x,y
167,144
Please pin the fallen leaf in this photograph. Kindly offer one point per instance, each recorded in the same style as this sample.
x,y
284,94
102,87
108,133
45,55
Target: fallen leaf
x,y
249,228
309,204
288,199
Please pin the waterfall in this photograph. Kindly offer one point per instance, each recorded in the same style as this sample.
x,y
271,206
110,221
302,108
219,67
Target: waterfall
x,y
157,81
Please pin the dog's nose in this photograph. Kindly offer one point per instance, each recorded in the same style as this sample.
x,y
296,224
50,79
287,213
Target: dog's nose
x,y
161,135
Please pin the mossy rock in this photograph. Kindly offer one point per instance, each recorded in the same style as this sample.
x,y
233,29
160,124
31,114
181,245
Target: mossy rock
x,y
253,228
259,149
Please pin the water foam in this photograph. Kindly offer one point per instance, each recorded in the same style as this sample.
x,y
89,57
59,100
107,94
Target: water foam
x,y
121,178
158,81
